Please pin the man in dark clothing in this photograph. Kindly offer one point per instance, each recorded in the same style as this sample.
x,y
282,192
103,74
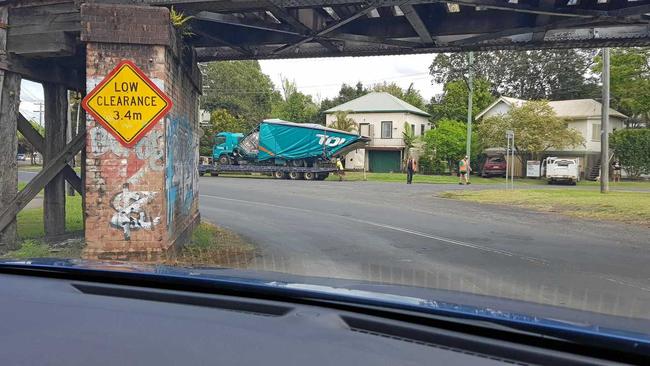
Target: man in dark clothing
x,y
411,167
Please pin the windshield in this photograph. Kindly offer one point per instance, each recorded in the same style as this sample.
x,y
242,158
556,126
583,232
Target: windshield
x,y
432,174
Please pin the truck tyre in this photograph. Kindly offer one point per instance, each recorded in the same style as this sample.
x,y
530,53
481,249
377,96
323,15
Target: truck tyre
x,y
201,174
224,160
310,176
297,163
214,174
322,176
295,176
279,175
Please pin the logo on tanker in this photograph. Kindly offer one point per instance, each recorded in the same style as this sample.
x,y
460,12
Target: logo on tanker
x,y
331,141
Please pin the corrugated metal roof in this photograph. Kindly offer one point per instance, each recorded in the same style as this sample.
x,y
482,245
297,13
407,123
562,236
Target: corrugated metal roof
x,y
377,102
574,108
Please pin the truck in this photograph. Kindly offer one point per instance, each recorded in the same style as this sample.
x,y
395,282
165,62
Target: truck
x,y
283,150
561,170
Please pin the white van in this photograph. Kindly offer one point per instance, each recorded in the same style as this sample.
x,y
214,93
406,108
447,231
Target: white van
x,y
561,170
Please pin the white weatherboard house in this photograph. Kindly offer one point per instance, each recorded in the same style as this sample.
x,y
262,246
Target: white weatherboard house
x,y
381,117
583,115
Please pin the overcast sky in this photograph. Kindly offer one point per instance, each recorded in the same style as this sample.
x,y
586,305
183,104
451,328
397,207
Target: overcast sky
x,y
319,77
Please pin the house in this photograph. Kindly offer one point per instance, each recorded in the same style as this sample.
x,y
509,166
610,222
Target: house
x,y
380,116
583,115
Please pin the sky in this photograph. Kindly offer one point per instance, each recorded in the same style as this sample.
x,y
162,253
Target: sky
x,y
322,77
319,77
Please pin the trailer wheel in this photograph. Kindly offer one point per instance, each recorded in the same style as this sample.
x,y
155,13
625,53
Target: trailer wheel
x,y
295,175
214,174
310,176
297,163
279,175
201,174
224,160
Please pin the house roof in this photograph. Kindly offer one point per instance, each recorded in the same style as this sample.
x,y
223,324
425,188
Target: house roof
x,y
574,108
377,102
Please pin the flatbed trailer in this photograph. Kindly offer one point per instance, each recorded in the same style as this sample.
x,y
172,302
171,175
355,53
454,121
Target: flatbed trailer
x,y
279,172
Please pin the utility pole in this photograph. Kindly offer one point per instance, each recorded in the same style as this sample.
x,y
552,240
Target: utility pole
x,y
470,87
604,126
40,113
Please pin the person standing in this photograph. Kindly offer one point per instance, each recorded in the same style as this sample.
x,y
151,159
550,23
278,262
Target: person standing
x,y
464,170
411,168
339,169
617,170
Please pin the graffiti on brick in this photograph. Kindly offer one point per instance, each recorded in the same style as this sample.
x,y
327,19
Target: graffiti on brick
x,y
130,211
181,173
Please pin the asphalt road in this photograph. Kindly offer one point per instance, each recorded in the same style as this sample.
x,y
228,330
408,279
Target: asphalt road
x,y
395,233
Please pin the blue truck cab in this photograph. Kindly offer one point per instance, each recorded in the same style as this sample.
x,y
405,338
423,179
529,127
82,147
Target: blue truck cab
x,y
224,145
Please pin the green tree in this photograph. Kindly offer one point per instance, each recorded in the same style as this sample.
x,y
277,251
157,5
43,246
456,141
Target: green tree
x,y
532,74
447,142
632,148
408,136
293,105
537,129
629,82
344,122
239,87
452,103
410,95
220,121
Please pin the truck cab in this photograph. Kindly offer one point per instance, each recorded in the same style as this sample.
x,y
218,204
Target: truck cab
x,y
224,146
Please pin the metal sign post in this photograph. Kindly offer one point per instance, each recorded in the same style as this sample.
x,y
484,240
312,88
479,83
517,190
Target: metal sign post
x,y
510,152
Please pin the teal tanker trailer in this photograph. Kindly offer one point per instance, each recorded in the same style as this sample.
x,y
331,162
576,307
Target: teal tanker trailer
x,y
283,149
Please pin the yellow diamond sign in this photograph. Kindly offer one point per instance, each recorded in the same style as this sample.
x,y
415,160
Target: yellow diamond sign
x,y
127,103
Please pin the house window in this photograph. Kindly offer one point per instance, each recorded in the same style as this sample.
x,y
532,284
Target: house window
x,y
364,129
386,129
413,129
422,130
595,132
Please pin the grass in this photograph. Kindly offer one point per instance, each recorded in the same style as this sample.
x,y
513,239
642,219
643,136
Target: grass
x,y
30,221
429,179
629,207
214,246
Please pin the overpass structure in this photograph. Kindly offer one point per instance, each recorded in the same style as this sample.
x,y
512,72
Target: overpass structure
x,y
141,201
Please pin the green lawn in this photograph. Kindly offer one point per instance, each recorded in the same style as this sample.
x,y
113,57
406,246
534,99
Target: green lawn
x,y
30,221
630,207
430,179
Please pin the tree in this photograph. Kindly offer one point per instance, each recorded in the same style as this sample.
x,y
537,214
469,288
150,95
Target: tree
x,y
343,122
448,142
410,95
632,148
220,121
408,136
534,74
537,129
452,103
629,82
239,87
293,105
346,94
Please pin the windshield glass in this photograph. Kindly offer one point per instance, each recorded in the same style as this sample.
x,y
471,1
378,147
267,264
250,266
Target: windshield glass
x,y
412,167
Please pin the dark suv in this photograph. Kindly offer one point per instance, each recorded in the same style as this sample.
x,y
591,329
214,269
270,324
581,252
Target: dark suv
x,y
494,166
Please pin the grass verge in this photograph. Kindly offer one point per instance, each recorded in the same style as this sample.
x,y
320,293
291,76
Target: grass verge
x,y
211,245
429,179
30,221
629,207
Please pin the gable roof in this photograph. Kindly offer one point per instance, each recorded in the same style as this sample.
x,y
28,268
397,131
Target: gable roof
x,y
573,108
377,102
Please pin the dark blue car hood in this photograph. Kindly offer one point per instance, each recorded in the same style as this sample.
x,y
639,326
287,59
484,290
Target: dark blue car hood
x,y
632,334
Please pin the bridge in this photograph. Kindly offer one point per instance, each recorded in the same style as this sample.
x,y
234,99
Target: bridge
x,y
139,201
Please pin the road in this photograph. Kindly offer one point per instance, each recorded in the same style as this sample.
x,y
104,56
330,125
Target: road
x,y
395,233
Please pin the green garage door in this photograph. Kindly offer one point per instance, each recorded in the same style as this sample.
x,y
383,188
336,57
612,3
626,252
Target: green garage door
x,y
384,161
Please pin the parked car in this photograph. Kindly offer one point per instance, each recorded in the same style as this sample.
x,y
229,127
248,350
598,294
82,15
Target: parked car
x,y
494,166
561,170
21,157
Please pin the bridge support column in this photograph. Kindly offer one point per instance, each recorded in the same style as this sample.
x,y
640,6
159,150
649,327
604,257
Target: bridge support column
x,y
9,101
141,202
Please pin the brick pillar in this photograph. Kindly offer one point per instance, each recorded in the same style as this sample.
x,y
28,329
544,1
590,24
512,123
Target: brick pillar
x,y
153,184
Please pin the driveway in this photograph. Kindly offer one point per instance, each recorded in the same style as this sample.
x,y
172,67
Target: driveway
x,y
404,234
